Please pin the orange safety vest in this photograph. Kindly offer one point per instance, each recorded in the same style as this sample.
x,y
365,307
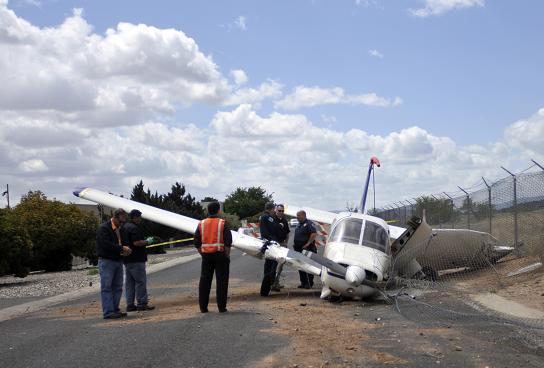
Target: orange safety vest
x,y
211,232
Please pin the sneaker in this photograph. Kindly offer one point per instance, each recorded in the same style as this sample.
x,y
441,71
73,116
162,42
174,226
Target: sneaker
x,y
145,307
303,286
223,310
131,308
203,310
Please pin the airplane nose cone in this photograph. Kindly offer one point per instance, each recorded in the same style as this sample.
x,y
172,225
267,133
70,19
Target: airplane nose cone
x,y
355,275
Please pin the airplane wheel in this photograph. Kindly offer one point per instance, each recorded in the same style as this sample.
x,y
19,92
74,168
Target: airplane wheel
x,y
266,285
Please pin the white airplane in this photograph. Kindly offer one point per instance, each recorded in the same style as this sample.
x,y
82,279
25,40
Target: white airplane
x,y
361,254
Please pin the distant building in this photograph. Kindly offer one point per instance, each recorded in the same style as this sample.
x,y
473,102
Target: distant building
x,y
99,210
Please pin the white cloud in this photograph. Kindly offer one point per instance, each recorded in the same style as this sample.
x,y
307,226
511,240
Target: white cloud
x,y
438,7
240,77
80,108
267,90
241,22
126,76
375,53
312,96
32,166
528,135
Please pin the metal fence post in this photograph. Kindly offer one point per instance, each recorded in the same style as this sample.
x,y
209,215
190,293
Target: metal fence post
x,y
469,206
452,210
439,217
516,234
411,209
489,204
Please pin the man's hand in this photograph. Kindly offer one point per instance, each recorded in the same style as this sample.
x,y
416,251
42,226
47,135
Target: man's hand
x,y
126,251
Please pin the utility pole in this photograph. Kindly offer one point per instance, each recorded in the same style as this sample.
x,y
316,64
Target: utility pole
x,y
6,193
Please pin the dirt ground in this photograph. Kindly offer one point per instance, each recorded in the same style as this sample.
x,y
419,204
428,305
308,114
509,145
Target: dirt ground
x,y
526,288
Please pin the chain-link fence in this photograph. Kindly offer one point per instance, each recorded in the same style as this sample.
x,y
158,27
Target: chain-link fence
x,y
510,209
484,259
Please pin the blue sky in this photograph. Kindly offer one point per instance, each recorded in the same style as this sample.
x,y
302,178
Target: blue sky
x,y
461,71
467,73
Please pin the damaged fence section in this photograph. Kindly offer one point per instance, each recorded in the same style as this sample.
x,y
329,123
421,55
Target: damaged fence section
x,y
483,260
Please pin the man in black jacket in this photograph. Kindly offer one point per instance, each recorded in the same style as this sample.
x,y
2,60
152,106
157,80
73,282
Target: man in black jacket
x,y
269,231
110,252
135,276
282,227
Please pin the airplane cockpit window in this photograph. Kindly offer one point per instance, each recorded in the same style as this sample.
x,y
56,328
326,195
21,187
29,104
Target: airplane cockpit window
x,y
347,230
375,236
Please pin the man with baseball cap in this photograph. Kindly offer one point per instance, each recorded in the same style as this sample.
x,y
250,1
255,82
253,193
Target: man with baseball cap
x,y
135,275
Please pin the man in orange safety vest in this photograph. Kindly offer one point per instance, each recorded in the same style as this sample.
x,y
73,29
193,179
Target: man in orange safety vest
x,y
213,241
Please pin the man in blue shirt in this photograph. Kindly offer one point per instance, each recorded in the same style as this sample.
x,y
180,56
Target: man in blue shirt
x,y
305,234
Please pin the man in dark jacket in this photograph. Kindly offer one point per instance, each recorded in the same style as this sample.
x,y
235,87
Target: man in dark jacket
x,y
282,227
135,276
305,234
110,252
213,240
269,231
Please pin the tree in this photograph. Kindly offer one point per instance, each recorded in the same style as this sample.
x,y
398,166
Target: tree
x,y
209,199
177,201
15,246
57,231
246,202
437,210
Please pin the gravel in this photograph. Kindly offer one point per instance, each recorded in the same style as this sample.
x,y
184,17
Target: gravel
x,y
41,284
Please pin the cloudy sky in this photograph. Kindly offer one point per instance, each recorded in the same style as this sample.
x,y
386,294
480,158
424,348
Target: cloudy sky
x,y
294,96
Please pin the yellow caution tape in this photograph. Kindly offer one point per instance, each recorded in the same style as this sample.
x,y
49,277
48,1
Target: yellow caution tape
x,y
170,242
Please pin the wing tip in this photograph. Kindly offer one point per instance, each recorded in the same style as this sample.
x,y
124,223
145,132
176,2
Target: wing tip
x,y
77,191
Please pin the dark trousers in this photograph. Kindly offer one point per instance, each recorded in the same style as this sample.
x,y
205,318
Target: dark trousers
x,y
218,263
269,276
305,278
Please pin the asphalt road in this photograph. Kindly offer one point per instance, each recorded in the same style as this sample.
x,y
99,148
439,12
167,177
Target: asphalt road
x,y
288,328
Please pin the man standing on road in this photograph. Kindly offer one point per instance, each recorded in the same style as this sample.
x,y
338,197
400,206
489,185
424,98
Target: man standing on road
x,y
305,234
283,235
110,251
213,241
135,276
269,231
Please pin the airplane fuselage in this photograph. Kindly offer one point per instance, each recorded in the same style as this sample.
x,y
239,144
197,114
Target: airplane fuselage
x,y
360,243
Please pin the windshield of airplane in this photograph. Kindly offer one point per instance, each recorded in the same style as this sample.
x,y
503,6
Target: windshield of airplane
x,y
375,236
347,230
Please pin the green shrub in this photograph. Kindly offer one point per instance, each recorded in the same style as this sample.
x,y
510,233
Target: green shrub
x,y
57,231
15,246
232,220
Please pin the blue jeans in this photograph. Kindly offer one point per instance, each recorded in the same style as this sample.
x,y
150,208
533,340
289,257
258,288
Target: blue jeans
x,y
136,283
111,285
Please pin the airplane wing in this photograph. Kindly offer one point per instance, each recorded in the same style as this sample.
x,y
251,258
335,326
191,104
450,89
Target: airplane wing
x,y
312,214
245,243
